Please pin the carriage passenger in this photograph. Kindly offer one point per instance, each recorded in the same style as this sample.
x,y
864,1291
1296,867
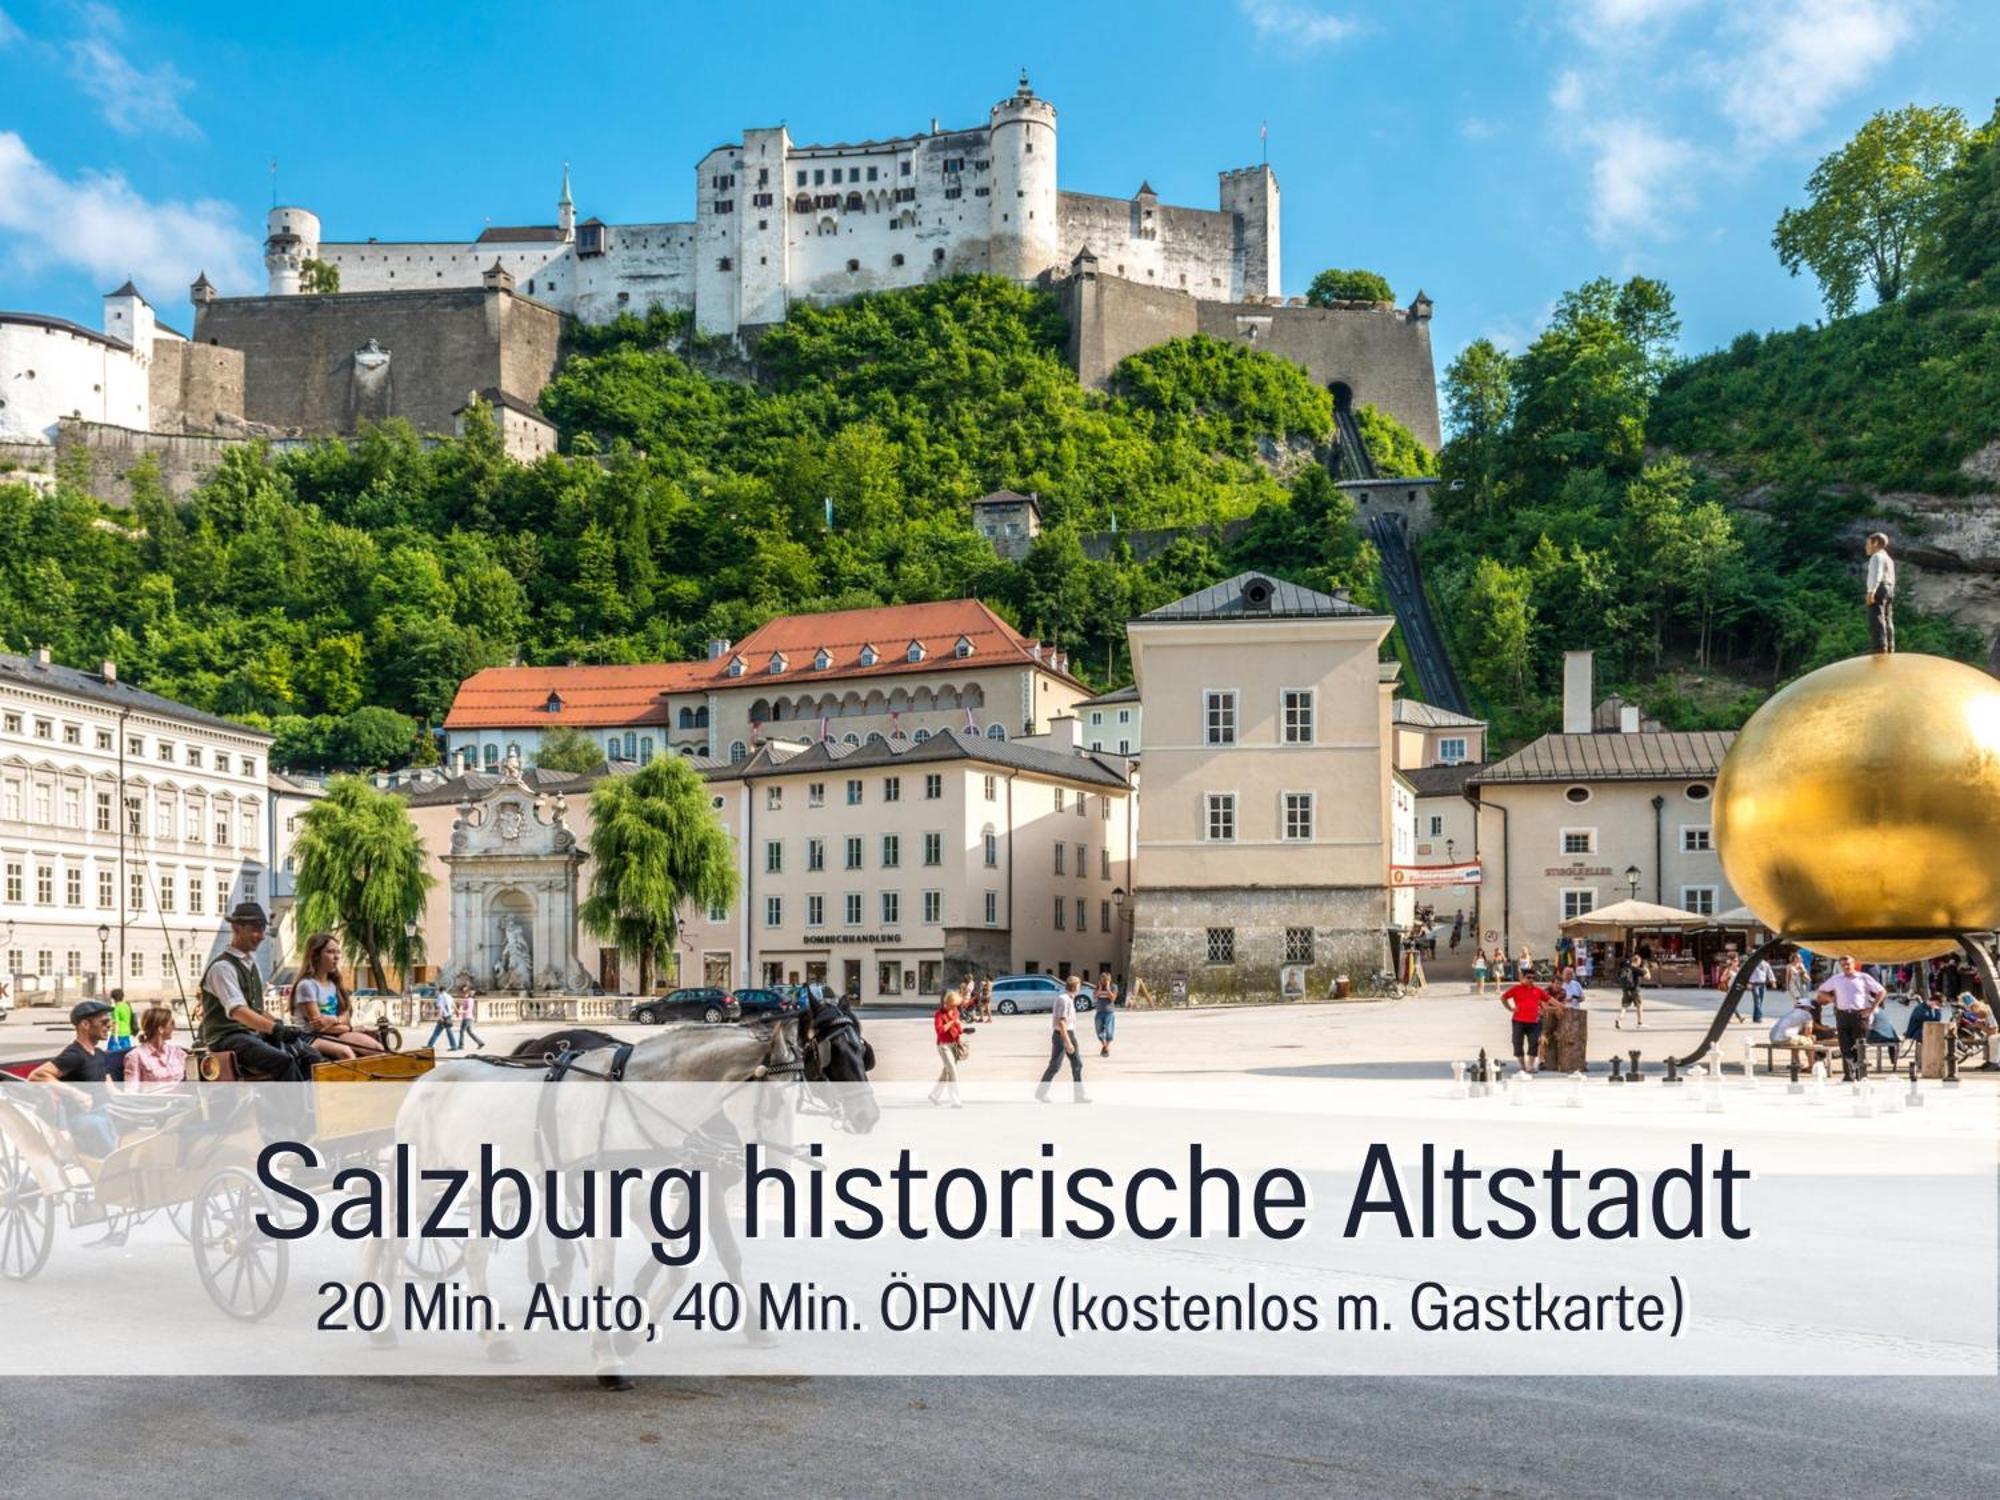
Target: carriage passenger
x,y
158,1058
85,1060
321,1006
232,1008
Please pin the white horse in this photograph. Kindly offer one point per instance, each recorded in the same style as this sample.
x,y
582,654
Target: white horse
x,y
572,1123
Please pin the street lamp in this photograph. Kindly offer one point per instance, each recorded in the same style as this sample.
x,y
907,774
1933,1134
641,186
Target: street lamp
x,y
409,950
1632,880
1449,846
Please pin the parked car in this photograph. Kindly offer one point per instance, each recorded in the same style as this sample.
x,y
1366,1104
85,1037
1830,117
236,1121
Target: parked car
x,y
767,1001
1024,994
703,1004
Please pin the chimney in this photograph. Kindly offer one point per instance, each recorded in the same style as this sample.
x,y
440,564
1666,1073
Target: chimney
x,y
717,649
1065,734
1576,692
42,656
1628,719
108,670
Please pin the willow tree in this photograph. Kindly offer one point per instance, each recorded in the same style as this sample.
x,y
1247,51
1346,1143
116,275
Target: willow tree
x,y
361,873
655,847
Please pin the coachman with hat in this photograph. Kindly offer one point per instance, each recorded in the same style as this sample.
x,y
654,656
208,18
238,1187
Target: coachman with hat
x,y
232,1008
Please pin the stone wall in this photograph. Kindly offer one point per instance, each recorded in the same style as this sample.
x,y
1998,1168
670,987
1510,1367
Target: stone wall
x,y
110,454
1170,934
195,385
302,369
1149,542
1111,318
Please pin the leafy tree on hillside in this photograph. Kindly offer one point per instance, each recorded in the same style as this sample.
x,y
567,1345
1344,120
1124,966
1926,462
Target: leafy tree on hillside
x,y
1871,203
1331,286
1964,239
566,748
371,739
361,873
1497,625
655,850
318,277
1393,447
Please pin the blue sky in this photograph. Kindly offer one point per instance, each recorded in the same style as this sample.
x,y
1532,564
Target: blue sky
x,y
1492,154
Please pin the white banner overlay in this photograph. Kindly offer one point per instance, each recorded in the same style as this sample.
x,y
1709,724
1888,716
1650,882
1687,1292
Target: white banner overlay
x,y
1267,1226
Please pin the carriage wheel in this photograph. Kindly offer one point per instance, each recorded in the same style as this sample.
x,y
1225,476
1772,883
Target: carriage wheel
x,y
242,1270
433,1260
27,1217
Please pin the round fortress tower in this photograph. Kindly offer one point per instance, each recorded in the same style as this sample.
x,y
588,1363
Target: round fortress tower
x,y
1022,224
291,239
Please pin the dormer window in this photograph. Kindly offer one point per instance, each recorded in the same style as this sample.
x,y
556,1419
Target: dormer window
x,y
736,667
963,648
914,651
868,656
777,663
822,659
554,705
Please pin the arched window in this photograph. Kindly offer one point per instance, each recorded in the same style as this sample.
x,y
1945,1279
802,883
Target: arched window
x,y
850,739
803,204
854,203
687,718
631,745
922,735
875,737
645,749
491,755
738,751
996,731
611,746
701,717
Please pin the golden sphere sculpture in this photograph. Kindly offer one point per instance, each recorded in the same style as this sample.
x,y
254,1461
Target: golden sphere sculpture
x,y
1865,798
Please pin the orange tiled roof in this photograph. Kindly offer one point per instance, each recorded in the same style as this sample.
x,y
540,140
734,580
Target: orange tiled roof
x,y
590,697
889,628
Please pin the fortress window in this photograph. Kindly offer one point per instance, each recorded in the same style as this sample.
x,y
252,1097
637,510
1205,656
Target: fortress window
x,y
725,264
938,256
853,266
982,192
954,192
763,176
954,164
802,178
725,205
819,176
762,200
906,169
1031,148
803,203
871,174
854,203
895,260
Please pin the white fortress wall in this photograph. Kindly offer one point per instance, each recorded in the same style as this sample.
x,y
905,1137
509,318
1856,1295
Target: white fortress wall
x,y
1190,250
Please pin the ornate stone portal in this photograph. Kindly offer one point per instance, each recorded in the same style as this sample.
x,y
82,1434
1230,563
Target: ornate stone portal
x,y
514,864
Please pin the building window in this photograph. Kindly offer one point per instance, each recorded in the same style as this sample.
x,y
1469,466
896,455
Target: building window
x,y
1696,839
194,755
1221,817
1082,861
933,787
1062,852
892,789
13,722
815,911
933,848
1697,792
1451,752
1082,809
221,895
1699,899
815,854
73,964
892,908
14,869
1059,799
45,962
774,911
164,749
107,889
852,852
1298,815
1104,864
1062,914
991,840
1437,826
1082,915
1298,945
194,887
135,894
816,794
46,728
1222,945
774,799
1576,794
718,914
1104,916
45,885
1296,705
72,887
1579,841
992,908
991,787
1219,716
889,976
892,850
1576,901
774,857
167,884
738,752
73,735
996,731
854,794
104,739
933,907
851,908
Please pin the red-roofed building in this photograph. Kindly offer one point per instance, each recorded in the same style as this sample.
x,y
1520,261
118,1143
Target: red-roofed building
x,y
898,672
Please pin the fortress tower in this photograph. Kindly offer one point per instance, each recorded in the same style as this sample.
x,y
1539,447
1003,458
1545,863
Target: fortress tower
x,y
1251,194
566,210
291,239
1024,220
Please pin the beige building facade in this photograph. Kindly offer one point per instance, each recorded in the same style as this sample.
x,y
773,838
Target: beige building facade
x,y
1268,824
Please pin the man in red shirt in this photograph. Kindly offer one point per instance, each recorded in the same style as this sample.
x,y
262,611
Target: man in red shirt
x,y
1524,1000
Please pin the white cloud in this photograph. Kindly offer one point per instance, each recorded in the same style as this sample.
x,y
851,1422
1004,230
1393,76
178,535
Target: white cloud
x,y
1475,128
1295,24
9,32
1789,64
1639,179
1569,93
1609,21
98,224
135,101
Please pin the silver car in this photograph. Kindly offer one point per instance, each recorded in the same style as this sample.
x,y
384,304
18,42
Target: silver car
x,y
1025,994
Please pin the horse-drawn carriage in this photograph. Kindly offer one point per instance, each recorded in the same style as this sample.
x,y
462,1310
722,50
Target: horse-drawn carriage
x,y
189,1151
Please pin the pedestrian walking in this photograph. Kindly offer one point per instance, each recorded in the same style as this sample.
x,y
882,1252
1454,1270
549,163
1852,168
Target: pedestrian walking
x,y
1796,978
1761,981
467,1004
445,1009
1855,996
1479,972
121,1025
986,998
1631,976
1881,594
950,1029
1524,1000
1062,1044
1104,1013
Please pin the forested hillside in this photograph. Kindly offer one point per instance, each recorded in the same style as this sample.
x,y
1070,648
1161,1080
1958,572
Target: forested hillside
x,y
340,595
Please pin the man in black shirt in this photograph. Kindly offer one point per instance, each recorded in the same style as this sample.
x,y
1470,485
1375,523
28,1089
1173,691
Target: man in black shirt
x,y
86,1061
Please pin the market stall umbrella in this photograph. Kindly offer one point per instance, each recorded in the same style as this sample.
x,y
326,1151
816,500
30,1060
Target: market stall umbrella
x,y
1623,917
1740,916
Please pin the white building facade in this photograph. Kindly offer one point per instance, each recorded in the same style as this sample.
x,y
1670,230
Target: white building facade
x,y
51,368
779,222
89,900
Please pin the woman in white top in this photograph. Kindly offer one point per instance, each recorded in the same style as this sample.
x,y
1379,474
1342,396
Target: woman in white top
x,y
321,1007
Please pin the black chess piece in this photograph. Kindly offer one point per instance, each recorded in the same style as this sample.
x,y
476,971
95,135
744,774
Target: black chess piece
x,y
1617,1068
1795,1086
1634,1076
1673,1071
1950,1079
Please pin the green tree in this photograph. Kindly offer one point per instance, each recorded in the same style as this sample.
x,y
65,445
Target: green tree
x,y
1870,204
1964,239
1331,286
318,277
566,748
371,739
1497,623
655,847
361,872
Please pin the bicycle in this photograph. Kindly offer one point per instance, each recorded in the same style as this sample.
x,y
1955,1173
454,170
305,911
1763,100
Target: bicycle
x,y
1387,985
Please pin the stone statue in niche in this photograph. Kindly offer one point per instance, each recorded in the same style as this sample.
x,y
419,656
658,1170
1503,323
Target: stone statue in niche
x,y
516,969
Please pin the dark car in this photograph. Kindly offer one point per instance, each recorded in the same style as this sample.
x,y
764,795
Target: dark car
x,y
710,1005
767,1001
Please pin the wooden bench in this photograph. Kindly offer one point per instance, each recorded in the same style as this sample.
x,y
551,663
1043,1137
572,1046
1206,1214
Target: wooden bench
x,y
1778,1055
